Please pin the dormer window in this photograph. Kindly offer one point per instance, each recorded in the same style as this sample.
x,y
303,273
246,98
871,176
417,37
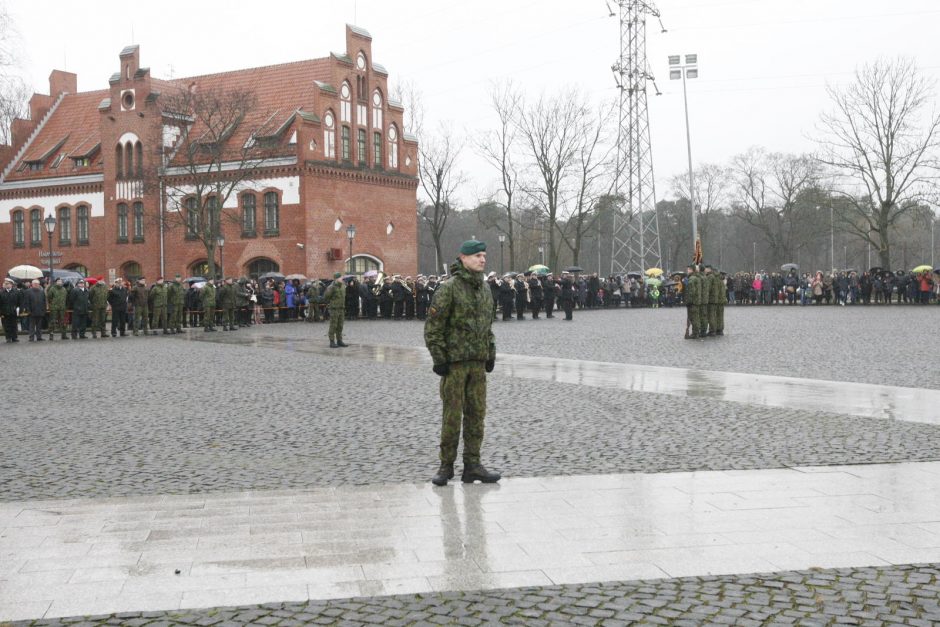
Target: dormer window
x,y
81,162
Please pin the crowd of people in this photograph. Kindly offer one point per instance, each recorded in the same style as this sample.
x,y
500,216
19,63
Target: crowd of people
x,y
69,311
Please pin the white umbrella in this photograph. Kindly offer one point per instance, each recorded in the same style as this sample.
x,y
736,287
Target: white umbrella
x,y
25,272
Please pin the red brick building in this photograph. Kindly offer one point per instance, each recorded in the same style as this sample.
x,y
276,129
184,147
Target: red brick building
x,y
107,164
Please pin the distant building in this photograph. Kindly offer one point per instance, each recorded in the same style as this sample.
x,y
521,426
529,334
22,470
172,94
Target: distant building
x,y
108,165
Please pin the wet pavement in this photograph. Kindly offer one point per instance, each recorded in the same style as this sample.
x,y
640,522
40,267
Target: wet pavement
x,y
90,557
840,397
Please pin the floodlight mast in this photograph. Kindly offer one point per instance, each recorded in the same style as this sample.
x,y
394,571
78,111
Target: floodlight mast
x,y
635,242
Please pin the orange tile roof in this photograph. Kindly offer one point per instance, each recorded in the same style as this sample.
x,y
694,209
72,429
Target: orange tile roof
x,y
75,119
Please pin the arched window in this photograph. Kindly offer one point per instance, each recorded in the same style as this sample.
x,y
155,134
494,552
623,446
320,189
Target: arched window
x,y
119,160
259,266
139,157
200,268
131,271
271,214
346,140
19,229
362,264
81,215
377,149
361,146
65,226
212,214
249,215
138,221
393,147
122,221
329,136
376,109
345,103
192,218
35,227
128,159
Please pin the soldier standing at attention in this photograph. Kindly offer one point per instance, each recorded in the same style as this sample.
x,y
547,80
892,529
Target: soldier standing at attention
x,y
117,298
77,301
208,306
567,295
335,298
159,305
695,296
55,295
98,295
141,307
226,300
711,300
174,303
459,336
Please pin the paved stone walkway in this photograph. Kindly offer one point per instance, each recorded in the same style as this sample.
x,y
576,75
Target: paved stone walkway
x,y
902,595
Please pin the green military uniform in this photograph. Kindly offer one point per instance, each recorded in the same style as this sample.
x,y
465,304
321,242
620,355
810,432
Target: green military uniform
x,y
458,334
335,298
721,294
55,296
140,296
314,300
174,302
241,303
158,292
98,297
208,307
226,301
696,303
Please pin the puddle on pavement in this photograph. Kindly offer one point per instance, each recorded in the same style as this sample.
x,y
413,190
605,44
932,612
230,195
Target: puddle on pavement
x,y
856,399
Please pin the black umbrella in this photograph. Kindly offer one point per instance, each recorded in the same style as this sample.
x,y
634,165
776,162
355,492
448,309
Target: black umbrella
x,y
194,279
635,275
573,269
789,266
277,276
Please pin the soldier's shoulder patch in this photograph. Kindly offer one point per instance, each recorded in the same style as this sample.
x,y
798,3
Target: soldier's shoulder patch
x,y
434,312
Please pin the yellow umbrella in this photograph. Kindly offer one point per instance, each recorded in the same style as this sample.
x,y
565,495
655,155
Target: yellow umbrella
x,y
654,272
922,268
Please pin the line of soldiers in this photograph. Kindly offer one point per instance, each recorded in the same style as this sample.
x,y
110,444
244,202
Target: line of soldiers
x,y
705,302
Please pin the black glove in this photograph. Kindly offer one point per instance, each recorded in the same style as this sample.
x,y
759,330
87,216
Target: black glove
x,y
490,364
441,370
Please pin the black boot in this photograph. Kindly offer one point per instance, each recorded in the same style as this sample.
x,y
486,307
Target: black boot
x,y
476,472
333,344
341,343
444,474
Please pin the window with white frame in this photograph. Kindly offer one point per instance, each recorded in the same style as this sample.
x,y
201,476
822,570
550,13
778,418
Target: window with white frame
x,y
362,114
35,227
122,221
138,221
392,146
271,213
376,109
81,214
19,229
345,103
65,226
329,136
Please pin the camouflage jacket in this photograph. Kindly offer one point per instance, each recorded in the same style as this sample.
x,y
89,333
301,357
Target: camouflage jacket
x,y
716,289
697,294
335,296
159,295
208,296
174,294
99,295
226,296
55,295
459,321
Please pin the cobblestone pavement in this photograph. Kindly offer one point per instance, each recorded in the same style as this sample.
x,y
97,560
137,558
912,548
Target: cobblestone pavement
x,y
138,416
865,344
901,595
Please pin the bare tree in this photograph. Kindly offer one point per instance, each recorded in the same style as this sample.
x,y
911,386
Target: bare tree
x,y
440,178
770,196
712,186
881,143
593,178
497,147
14,94
207,160
551,132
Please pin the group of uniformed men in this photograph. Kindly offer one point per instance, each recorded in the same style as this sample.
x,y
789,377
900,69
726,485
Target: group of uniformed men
x,y
705,302
533,292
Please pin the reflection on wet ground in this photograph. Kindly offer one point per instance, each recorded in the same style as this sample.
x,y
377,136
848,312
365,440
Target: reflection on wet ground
x,y
856,399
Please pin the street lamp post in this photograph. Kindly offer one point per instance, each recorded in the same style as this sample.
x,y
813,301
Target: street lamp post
x,y
502,240
220,241
832,239
351,235
541,254
755,258
49,223
678,70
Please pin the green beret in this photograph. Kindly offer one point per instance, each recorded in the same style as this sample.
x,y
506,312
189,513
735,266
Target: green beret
x,y
472,247
337,275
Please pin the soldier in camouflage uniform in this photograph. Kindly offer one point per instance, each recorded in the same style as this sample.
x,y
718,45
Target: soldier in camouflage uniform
x,y
335,298
226,301
174,303
695,295
98,297
158,291
459,336
713,289
721,294
208,306
55,296
139,297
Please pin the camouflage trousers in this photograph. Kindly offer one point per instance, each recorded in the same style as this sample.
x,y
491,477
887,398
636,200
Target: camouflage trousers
x,y
208,317
720,317
176,316
696,319
141,318
337,317
99,315
712,318
228,317
463,393
159,317
57,321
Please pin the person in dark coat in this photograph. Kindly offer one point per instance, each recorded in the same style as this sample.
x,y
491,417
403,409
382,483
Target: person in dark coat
x,y
117,299
566,295
548,294
78,302
35,305
535,296
9,309
522,296
506,297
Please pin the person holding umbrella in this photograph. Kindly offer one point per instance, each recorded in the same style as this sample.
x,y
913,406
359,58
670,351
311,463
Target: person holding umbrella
x,y
566,296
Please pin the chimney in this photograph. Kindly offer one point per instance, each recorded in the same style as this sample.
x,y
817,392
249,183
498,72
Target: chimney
x,y
60,82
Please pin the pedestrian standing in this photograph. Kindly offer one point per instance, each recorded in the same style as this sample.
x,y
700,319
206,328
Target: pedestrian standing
x,y
117,299
566,296
9,310
459,336
35,305
98,297
79,303
335,298
55,296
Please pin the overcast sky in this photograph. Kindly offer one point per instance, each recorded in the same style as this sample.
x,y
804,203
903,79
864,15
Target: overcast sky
x,y
764,64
